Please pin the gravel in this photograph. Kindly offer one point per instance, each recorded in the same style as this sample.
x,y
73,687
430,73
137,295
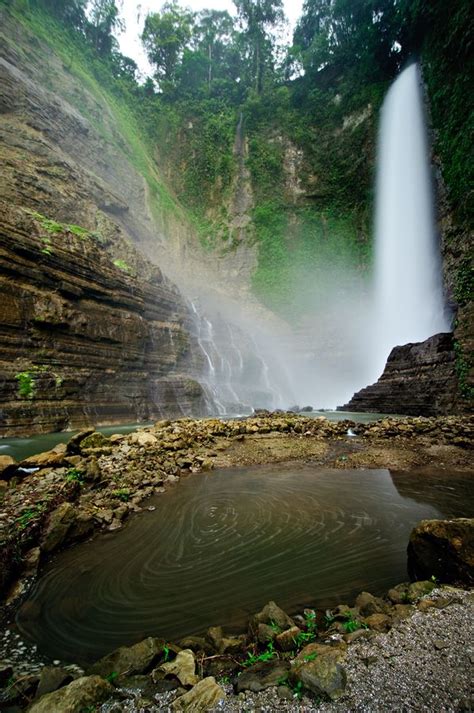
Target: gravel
x,y
422,664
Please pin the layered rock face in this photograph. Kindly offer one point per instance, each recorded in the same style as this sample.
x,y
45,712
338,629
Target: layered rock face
x,y
90,332
84,340
419,380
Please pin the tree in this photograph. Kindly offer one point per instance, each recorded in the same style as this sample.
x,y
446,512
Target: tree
x,y
259,18
104,20
71,12
356,37
165,36
213,34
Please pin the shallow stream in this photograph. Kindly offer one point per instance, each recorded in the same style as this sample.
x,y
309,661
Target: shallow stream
x,y
219,545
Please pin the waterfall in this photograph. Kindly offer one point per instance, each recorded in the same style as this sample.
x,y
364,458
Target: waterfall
x,y
409,304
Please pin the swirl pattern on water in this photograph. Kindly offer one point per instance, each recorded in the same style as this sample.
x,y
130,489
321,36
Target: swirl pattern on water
x,y
218,547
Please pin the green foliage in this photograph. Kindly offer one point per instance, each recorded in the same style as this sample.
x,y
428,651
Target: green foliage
x,y
29,516
122,494
111,677
27,380
266,655
122,265
463,366
463,290
73,475
351,624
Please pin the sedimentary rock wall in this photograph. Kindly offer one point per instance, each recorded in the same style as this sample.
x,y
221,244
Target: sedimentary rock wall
x,y
419,379
85,340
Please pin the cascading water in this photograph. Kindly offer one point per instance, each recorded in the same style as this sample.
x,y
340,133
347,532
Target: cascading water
x,y
408,296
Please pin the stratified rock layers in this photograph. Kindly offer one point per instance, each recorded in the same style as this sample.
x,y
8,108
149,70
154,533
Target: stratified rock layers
x,y
419,380
82,340
90,331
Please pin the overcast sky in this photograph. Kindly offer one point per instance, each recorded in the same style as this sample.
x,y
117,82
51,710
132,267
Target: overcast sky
x,y
134,14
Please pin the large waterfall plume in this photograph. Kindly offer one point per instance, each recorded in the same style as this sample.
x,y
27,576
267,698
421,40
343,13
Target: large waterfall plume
x,y
408,293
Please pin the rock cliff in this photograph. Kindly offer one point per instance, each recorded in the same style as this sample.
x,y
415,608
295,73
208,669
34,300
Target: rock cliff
x,y
90,331
419,379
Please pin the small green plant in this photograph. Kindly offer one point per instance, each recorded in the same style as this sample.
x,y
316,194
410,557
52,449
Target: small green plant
x,y
266,655
28,516
26,384
74,475
112,676
304,637
310,657
166,652
122,494
122,265
298,690
274,627
351,624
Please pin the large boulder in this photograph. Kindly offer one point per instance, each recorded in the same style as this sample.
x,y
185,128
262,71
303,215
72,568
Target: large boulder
x,y
204,696
443,549
132,660
81,695
59,525
261,675
319,670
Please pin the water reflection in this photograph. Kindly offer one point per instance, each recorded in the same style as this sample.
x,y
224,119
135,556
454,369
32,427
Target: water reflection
x,y
220,545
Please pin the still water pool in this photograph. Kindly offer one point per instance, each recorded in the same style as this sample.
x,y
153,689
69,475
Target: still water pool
x,y
219,545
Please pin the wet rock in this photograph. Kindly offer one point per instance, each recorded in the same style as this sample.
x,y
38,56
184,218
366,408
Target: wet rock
x,y
378,622
273,616
52,678
82,694
136,659
368,604
183,667
20,691
286,639
59,524
265,633
196,644
6,462
214,636
443,549
142,438
322,676
54,458
202,697
402,611
231,645
399,594
416,590
336,652
74,442
263,674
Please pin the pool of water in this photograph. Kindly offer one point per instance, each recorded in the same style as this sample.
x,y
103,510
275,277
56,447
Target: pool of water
x,y
219,545
20,448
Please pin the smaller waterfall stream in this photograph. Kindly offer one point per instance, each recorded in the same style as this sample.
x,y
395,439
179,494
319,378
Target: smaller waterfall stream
x,y
409,304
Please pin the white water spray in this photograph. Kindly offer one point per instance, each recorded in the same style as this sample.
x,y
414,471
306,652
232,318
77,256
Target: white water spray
x,y
408,284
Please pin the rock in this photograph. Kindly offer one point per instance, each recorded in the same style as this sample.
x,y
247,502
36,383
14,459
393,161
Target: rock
x,y
196,644
52,678
322,676
286,639
231,645
82,694
142,438
378,622
202,697
265,633
146,686
368,604
419,379
402,611
336,652
183,667
399,594
261,675
94,440
443,549
59,524
44,460
136,659
416,590
74,442
20,692
214,636
272,615
6,462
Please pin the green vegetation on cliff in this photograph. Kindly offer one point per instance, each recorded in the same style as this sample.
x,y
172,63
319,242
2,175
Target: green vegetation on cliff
x,y
260,143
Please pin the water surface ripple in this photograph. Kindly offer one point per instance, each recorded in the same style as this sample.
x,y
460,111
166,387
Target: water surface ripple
x,y
220,545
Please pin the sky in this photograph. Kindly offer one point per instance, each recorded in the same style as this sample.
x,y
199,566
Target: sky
x,y
134,14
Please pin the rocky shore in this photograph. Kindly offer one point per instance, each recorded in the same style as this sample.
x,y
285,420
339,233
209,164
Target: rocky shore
x,y
93,483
